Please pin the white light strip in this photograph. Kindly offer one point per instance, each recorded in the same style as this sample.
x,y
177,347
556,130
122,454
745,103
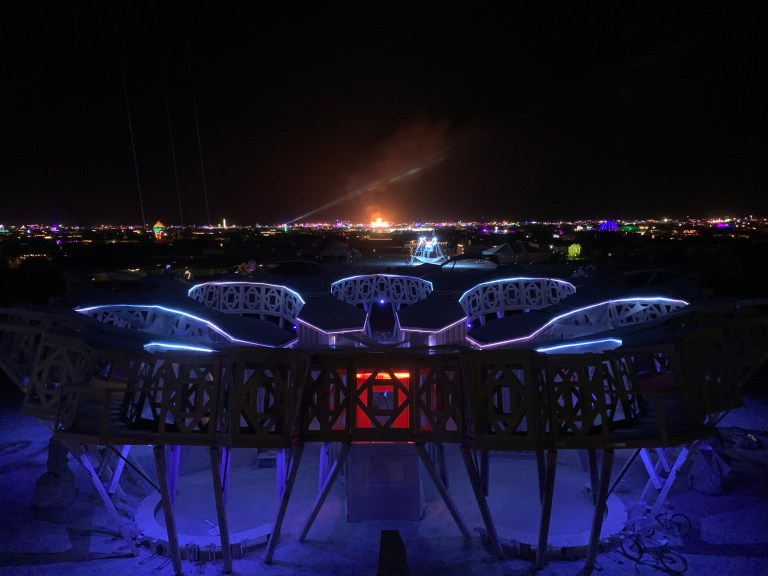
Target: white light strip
x,y
423,331
572,313
150,346
420,280
208,323
519,279
615,341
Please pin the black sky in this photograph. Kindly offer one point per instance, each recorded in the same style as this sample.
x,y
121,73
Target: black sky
x,y
522,111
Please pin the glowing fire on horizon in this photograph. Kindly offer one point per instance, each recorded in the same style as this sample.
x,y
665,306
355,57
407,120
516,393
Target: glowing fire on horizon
x,y
379,223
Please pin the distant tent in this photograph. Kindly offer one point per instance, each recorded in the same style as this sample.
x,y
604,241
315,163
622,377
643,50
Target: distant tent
x,y
507,254
500,249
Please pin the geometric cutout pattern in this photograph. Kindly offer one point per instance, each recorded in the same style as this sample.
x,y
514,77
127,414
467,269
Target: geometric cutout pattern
x,y
493,299
264,301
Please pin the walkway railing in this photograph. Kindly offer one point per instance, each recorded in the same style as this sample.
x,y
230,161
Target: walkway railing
x,y
663,394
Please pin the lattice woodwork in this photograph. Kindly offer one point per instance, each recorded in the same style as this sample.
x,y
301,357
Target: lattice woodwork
x,y
326,396
672,409
440,402
19,344
704,362
265,301
516,294
157,320
505,389
61,361
606,316
576,388
263,397
176,398
368,289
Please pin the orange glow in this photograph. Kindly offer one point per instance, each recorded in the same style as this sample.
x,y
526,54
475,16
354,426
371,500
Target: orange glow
x,y
384,400
379,223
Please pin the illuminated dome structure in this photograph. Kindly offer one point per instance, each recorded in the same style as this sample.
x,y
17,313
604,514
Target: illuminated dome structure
x,y
520,364
609,226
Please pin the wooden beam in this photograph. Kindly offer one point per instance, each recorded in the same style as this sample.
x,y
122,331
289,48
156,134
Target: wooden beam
x,y
221,512
325,489
599,514
546,508
170,520
477,488
286,496
422,452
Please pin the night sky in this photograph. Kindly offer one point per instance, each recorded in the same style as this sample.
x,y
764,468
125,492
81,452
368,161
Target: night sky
x,y
533,111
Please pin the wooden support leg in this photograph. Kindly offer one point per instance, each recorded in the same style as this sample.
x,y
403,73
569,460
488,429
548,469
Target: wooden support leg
x,y
221,513
119,468
422,452
485,471
679,461
224,469
333,473
104,464
439,460
594,479
325,450
600,509
286,496
477,488
281,471
165,495
82,457
623,471
541,467
173,472
546,508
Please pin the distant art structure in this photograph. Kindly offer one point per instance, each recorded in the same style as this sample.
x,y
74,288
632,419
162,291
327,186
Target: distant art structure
x,y
609,226
427,251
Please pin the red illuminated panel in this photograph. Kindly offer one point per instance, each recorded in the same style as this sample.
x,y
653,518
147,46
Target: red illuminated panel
x,y
383,395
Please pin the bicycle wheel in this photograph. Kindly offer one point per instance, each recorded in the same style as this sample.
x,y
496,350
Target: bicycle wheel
x,y
632,548
672,561
682,524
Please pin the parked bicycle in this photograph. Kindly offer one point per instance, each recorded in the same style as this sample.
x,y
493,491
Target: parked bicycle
x,y
670,522
639,544
663,557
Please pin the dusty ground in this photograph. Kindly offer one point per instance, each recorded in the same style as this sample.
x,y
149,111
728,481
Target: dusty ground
x,y
729,536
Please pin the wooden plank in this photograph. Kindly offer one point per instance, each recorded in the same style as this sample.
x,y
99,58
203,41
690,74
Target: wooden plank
x,y
326,488
221,512
422,452
170,520
275,534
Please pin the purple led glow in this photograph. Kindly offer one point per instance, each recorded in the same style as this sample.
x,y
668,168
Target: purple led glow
x,y
152,346
240,283
615,341
208,323
572,313
333,332
421,280
436,331
519,279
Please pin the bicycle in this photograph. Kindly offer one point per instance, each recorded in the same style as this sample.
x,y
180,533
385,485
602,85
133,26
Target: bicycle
x,y
635,547
670,522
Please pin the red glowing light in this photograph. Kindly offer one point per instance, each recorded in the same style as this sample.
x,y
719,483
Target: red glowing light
x,y
383,401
